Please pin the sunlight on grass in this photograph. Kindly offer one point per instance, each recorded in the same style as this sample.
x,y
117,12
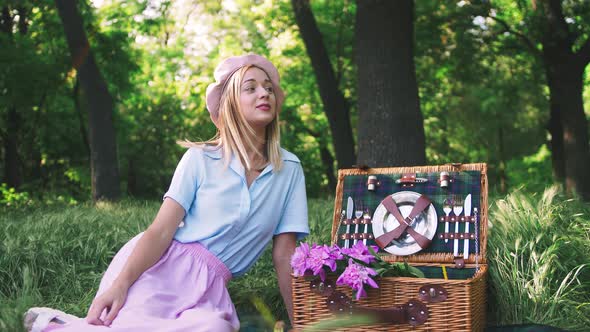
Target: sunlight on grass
x,y
539,261
538,249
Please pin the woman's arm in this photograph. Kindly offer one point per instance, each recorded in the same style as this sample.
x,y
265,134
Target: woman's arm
x,y
150,247
282,249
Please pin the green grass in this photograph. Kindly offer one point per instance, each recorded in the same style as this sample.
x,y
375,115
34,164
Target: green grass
x,y
539,256
538,248
55,255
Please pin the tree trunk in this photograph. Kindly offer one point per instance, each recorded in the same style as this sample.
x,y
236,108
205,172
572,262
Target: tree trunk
x,y
328,162
556,143
390,124
565,77
566,86
335,106
98,102
78,108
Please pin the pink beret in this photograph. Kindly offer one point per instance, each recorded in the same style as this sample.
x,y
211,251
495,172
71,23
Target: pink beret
x,y
227,68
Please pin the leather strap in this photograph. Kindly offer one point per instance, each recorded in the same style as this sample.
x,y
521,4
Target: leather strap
x,y
422,241
460,236
432,293
470,219
324,288
422,203
408,178
412,312
362,236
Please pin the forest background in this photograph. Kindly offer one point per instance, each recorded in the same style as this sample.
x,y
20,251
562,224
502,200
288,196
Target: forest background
x,y
483,91
95,94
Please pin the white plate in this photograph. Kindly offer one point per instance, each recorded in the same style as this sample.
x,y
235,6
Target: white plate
x,y
425,223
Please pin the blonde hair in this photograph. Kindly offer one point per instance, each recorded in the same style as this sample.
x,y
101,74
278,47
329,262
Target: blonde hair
x,y
234,134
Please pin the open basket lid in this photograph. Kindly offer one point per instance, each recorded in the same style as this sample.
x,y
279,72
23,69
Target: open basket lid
x,y
419,198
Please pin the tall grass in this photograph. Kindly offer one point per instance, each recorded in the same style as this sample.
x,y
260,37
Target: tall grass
x,y
55,256
538,251
539,257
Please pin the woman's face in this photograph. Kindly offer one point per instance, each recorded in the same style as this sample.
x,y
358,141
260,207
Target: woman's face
x,y
257,98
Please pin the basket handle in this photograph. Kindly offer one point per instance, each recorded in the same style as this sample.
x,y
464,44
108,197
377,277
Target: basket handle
x,y
412,312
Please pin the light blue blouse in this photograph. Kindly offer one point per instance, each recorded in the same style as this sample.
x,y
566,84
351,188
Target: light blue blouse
x,y
232,221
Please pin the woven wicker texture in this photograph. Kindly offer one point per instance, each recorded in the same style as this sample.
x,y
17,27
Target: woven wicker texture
x,y
464,309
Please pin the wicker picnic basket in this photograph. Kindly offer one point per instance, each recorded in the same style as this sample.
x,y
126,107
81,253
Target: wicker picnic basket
x,y
452,296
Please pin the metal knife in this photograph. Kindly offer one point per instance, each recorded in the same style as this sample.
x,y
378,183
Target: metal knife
x,y
467,213
349,209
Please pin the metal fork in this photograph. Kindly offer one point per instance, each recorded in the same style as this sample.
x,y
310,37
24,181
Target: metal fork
x,y
358,213
457,209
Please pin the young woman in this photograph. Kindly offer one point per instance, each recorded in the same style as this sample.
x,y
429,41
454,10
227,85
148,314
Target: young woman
x,y
228,197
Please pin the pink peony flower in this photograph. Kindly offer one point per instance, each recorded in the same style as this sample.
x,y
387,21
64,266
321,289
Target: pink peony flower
x,y
335,253
319,255
361,252
306,259
299,260
356,276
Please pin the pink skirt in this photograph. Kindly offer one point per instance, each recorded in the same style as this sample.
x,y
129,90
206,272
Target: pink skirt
x,y
184,291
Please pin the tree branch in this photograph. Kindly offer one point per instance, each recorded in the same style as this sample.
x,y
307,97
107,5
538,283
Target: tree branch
x,y
336,107
528,43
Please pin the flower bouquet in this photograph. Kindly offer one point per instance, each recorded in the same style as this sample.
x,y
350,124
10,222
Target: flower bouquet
x,y
355,266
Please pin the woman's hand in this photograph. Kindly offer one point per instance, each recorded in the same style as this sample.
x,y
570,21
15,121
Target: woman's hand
x,y
112,300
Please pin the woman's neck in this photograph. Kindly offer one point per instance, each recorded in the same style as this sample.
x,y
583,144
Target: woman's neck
x,y
257,155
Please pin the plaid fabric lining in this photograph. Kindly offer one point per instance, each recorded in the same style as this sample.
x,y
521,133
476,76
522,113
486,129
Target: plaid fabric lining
x,y
432,272
464,183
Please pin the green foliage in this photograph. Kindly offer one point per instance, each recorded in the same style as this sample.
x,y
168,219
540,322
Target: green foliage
x,y
10,197
396,269
539,257
13,307
483,92
482,100
532,173
158,58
